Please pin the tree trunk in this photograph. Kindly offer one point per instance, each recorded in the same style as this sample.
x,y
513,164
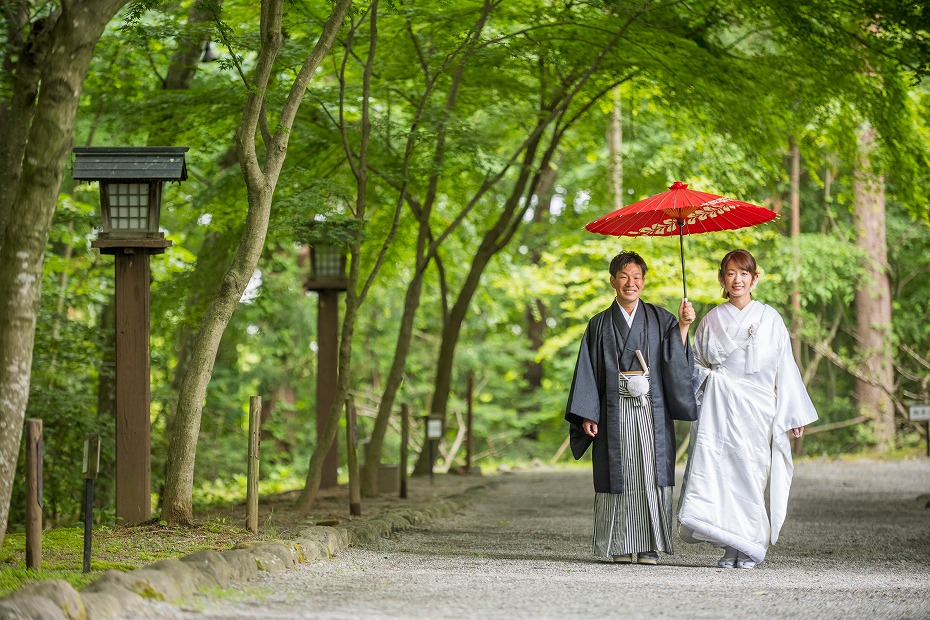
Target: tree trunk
x,y
450,336
105,487
177,507
36,175
536,312
22,61
795,155
287,396
495,238
372,462
216,246
190,47
501,232
873,298
424,253
615,151
535,315
829,174
214,254
353,298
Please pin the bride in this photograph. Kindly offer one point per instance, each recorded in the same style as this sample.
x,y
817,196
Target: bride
x,y
750,395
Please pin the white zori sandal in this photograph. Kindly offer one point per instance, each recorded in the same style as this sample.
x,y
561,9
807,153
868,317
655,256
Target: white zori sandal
x,y
729,558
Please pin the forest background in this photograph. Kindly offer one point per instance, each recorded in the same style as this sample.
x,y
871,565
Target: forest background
x,y
455,151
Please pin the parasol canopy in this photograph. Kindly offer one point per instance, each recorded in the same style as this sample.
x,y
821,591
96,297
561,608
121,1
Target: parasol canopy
x,y
683,211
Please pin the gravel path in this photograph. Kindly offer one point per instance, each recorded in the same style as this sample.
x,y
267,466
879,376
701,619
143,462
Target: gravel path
x,y
856,544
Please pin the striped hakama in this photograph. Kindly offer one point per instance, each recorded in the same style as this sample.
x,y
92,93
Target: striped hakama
x,y
640,518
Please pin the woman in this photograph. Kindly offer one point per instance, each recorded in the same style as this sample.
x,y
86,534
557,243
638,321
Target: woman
x,y
750,395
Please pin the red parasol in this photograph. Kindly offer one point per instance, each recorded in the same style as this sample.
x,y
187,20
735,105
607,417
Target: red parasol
x,y
680,210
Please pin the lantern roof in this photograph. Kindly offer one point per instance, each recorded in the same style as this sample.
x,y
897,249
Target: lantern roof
x,y
157,163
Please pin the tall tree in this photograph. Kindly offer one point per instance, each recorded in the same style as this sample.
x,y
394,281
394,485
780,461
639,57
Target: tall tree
x,y
873,297
615,150
261,172
794,154
47,50
566,95
452,64
357,157
536,312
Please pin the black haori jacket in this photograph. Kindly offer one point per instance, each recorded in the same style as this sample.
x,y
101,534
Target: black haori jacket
x,y
595,388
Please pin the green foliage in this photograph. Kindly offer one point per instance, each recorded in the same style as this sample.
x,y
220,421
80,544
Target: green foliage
x,y
137,9
339,231
903,28
220,492
832,256
711,94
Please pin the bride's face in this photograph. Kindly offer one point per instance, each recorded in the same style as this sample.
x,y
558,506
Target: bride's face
x,y
737,282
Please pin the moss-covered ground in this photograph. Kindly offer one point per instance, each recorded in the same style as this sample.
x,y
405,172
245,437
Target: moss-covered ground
x,y
124,548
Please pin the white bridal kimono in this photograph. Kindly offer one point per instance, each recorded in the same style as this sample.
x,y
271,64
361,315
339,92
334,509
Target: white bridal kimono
x,y
750,395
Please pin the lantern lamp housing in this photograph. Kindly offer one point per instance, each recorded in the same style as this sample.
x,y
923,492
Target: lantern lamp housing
x,y
327,268
131,181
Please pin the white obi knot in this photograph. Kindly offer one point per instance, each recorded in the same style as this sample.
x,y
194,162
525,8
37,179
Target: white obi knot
x,y
635,386
752,357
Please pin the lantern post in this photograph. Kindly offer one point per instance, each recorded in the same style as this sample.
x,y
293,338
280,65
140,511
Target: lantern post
x,y
131,181
327,278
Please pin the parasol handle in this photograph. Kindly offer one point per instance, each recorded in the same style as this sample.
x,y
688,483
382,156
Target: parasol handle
x,y
681,244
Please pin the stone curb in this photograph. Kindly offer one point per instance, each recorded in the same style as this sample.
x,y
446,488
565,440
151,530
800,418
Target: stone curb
x,y
115,593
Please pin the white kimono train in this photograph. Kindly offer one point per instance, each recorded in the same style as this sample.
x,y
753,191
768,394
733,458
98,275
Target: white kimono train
x,y
750,394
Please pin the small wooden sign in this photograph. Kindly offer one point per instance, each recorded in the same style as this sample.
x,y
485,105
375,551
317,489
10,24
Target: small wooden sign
x,y
920,413
434,427
91,456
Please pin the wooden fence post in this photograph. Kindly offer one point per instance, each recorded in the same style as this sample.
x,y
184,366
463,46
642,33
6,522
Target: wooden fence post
x,y
404,438
468,420
251,493
355,491
91,467
34,493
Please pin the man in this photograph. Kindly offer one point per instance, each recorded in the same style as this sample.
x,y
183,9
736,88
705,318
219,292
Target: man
x,y
632,378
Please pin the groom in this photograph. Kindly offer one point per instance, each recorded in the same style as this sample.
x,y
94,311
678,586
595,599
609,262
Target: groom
x,y
632,436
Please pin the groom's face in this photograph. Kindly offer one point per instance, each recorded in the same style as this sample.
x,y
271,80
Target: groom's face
x,y
628,282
